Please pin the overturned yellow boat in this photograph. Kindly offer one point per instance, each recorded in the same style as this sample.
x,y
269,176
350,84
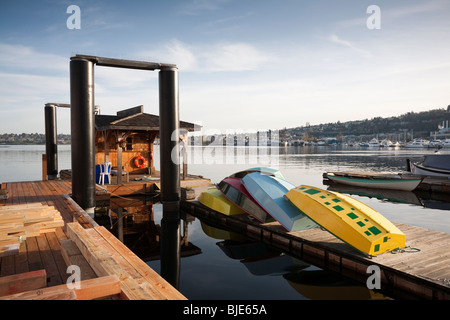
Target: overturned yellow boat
x,y
213,198
348,219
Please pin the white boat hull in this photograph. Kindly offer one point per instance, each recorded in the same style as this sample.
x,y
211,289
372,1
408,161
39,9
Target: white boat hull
x,y
424,171
393,183
432,165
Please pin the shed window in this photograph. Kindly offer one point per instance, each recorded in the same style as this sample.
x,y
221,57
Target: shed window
x,y
129,145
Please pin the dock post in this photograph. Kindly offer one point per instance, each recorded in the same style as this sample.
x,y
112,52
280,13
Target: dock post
x,y
82,133
51,147
170,174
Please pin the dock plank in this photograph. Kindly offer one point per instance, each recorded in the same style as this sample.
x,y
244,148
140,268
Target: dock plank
x,y
103,264
22,282
54,277
164,288
87,290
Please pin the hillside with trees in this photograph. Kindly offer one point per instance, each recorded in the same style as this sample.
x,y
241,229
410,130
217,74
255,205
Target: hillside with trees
x,y
30,138
422,124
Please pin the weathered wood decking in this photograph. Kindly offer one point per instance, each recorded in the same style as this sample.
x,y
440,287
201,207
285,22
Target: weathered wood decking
x,y
423,274
45,252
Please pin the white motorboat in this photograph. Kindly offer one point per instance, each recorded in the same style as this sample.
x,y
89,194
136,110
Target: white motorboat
x,y
385,143
395,145
445,143
374,143
417,143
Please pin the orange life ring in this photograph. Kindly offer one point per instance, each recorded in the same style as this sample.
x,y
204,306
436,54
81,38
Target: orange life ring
x,y
137,160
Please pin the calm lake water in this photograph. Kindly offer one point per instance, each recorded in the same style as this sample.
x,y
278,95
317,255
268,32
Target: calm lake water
x,y
221,265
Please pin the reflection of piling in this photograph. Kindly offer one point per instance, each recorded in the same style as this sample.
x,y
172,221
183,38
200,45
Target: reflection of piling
x,y
51,150
170,174
82,132
170,248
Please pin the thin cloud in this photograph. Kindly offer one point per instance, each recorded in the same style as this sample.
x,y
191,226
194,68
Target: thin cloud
x,y
428,6
234,57
335,39
219,57
174,52
196,7
389,12
27,58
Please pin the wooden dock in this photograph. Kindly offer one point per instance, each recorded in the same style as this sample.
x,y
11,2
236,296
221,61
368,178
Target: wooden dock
x,y
408,274
140,184
109,270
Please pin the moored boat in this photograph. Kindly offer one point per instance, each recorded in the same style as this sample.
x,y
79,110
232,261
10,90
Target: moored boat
x,y
214,199
385,143
269,192
431,165
235,191
417,144
375,180
446,143
374,143
348,219
364,144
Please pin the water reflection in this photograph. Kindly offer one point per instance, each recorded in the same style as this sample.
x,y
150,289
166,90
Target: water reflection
x,y
326,285
419,198
132,221
309,281
138,223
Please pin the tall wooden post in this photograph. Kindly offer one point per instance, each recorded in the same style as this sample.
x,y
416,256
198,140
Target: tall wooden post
x,y
82,133
51,147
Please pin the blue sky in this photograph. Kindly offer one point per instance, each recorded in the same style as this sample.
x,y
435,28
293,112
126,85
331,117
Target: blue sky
x,y
243,64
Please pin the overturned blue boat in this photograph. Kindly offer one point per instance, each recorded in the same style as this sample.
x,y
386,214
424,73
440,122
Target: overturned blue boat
x,y
269,192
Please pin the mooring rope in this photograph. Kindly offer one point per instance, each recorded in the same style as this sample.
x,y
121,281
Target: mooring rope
x,y
404,250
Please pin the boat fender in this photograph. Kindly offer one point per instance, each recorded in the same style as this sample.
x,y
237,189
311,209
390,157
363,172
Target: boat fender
x,y
139,162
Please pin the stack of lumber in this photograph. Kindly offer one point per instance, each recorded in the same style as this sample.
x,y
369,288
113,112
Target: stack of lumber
x,y
32,286
102,268
17,222
107,256
65,174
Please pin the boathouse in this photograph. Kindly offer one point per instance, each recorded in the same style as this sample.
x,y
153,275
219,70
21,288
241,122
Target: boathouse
x,y
127,138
